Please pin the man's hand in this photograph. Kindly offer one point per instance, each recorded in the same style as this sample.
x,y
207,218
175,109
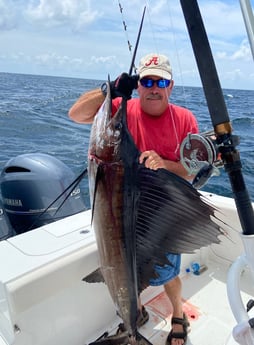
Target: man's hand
x,y
152,160
123,86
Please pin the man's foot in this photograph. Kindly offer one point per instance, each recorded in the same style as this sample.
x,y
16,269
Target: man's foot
x,y
143,317
179,331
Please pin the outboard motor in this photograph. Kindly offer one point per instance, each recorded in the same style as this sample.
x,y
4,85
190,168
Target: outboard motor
x,y
30,183
6,229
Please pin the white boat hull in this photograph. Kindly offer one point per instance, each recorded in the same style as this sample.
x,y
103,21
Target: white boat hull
x,y
43,300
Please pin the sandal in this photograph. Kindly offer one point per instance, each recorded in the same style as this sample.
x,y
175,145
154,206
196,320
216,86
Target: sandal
x,y
179,335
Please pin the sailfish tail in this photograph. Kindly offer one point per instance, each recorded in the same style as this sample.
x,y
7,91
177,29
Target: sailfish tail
x,y
122,339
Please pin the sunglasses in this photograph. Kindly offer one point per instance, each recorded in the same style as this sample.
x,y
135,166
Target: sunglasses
x,y
161,83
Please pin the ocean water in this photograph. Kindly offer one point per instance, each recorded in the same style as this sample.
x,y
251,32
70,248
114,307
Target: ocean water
x,y
34,118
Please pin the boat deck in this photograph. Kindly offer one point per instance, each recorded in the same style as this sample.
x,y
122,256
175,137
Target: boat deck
x,y
205,302
206,305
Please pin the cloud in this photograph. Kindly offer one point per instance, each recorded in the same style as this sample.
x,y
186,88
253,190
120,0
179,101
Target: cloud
x,y
8,17
51,59
242,53
112,60
223,19
57,63
50,13
86,38
72,14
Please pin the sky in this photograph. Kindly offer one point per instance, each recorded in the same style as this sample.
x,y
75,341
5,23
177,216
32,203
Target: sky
x,y
87,39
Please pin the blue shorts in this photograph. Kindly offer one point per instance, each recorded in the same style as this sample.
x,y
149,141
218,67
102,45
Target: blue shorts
x,y
167,272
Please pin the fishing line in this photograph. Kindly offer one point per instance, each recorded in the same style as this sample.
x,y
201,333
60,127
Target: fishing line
x,y
171,28
176,134
176,152
177,52
70,188
151,25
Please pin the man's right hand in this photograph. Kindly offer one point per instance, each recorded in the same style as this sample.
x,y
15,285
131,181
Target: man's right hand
x,y
123,86
152,160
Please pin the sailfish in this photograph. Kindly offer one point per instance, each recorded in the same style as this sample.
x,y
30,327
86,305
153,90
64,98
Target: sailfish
x,y
138,214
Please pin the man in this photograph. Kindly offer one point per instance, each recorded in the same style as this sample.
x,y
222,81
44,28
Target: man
x,y
158,128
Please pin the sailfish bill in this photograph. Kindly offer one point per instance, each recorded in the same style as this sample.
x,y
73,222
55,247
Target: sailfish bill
x,y
138,215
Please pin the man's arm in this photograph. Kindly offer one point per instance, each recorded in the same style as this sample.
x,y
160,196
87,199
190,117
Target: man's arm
x,y
86,107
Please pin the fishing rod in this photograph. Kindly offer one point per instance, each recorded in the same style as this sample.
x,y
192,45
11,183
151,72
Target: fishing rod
x,y
128,41
137,43
73,185
219,115
124,101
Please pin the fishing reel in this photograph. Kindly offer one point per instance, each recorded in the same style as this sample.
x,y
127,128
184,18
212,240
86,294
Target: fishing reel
x,y
200,156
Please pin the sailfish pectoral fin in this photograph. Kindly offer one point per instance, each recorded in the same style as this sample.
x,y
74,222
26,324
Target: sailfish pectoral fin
x,y
94,277
172,218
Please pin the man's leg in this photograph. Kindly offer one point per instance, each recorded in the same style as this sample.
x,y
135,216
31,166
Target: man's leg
x,y
173,289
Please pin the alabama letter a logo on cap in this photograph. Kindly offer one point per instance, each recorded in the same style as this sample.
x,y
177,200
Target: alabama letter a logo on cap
x,y
153,60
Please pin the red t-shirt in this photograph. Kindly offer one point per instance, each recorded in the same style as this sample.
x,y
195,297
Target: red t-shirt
x,y
164,133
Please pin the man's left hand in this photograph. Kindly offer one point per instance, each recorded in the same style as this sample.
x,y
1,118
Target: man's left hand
x,y
124,85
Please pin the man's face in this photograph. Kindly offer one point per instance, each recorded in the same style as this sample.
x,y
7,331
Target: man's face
x,y
154,100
